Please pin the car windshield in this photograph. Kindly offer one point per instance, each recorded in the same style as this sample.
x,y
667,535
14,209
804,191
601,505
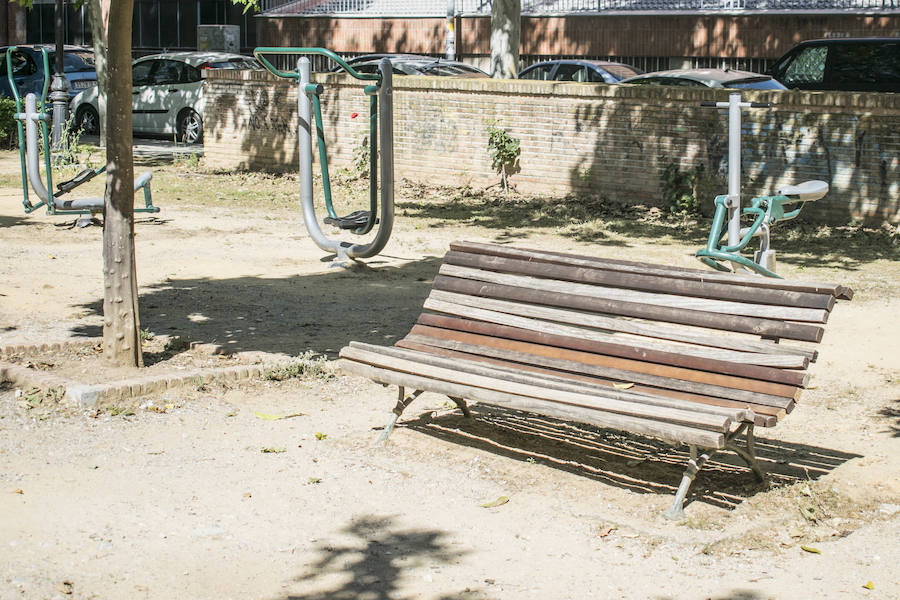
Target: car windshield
x,y
620,71
755,84
74,62
234,63
450,70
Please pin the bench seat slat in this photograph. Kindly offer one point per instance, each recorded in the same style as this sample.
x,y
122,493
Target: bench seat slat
x,y
640,345
766,416
517,385
669,300
838,291
645,329
650,358
469,366
588,364
642,281
751,325
666,431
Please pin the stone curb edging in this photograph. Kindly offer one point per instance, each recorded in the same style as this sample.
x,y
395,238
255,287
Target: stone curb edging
x,y
52,347
87,396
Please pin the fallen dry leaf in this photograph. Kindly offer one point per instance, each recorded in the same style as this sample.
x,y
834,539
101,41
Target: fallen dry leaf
x,y
19,491
623,386
811,550
498,502
606,531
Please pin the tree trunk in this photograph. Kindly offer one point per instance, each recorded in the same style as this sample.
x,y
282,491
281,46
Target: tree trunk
x,y
505,32
121,325
98,32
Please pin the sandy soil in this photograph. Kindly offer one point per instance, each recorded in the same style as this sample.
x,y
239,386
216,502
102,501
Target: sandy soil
x,y
194,495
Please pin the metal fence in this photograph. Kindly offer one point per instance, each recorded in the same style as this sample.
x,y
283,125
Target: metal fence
x,y
432,8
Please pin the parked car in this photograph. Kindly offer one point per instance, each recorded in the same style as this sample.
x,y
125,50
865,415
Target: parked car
x,y
596,71
28,69
168,94
415,64
713,78
843,64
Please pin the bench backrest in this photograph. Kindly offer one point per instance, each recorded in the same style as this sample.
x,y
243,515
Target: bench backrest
x,y
687,334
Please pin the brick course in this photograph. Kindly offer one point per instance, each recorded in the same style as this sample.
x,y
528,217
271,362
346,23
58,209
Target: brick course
x,y
612,141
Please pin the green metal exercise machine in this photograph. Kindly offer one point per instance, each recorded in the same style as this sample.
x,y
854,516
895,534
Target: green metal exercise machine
x,y
381,129
726,237
28,121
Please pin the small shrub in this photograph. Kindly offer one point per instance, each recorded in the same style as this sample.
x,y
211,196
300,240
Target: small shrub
x,y
678,190
504,151
8,135
307,366
361,155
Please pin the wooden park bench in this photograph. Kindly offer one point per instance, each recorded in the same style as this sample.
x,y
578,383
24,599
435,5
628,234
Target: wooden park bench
x,y
687,356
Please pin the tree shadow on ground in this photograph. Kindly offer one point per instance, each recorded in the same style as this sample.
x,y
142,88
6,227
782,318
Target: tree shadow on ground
x,y
320,312
892,412
628,461
376,560
732,595
6,221
596,219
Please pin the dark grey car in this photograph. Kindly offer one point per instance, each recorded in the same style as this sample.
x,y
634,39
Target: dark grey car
x,y
842,64
28,69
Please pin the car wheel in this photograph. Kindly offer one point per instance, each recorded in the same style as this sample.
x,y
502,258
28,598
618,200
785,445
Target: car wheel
x,y
190,127
87,120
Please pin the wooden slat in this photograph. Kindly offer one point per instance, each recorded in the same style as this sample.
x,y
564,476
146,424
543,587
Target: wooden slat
x,y
663,284
839,291
645,329
510,385
765,416
468,311
602,366
652,360
556,383
666,431
769,328
809,315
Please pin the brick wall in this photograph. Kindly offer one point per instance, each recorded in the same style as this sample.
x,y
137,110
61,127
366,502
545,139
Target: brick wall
x,y
613,141
757,35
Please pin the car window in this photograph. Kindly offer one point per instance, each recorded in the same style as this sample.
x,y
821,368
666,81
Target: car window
x,y
168,72
540,73
190,74
620,72
569,73
864,66
22,65
140,72
807,66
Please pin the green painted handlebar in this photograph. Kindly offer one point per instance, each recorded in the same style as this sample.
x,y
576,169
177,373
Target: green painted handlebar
x,y
260,52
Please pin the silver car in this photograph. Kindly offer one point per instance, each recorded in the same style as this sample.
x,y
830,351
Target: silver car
x,y
167,94
713,78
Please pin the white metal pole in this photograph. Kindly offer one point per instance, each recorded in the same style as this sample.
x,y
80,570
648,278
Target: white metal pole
x,y
734,169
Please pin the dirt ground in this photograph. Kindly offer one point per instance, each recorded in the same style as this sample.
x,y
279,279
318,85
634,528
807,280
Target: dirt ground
x,y
204,493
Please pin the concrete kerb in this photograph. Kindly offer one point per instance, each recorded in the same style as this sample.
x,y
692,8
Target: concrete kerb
x,y
89,395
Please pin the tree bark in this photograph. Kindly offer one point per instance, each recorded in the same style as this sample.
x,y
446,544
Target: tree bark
x,y
121,325
505,34
98,33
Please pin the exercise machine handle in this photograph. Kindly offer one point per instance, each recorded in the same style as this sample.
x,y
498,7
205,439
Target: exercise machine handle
x,y
743,104
259,52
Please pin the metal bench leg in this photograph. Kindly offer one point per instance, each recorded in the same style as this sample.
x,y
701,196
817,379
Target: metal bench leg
x,y
402,402
695,463
748,455
461,403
